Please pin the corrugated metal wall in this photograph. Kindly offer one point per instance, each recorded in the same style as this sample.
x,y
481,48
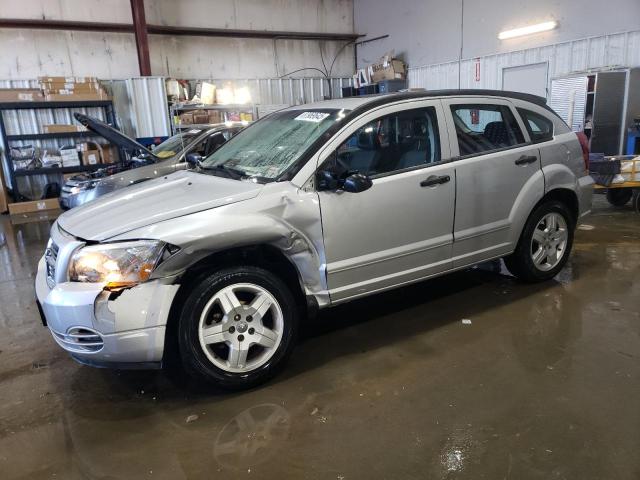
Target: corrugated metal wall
x,y
568,99
141,109
289,91
595,53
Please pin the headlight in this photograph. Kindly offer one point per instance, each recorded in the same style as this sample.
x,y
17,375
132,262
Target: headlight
x,y
82,187
120,264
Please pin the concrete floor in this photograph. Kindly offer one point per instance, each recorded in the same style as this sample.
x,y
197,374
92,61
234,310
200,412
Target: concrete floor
x,y
544,383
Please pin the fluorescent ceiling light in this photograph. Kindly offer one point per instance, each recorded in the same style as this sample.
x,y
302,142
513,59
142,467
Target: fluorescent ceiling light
x,y
519,32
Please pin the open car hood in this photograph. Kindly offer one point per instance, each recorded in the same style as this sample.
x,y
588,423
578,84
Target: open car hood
x,y
114,136
154,201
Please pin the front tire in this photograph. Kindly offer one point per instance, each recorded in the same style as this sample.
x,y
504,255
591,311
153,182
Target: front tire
x,y
545,243
237,328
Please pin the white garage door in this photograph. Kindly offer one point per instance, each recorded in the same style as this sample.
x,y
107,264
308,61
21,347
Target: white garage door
x,y
526,78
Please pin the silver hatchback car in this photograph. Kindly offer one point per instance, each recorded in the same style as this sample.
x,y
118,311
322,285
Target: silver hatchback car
x,y
170,156
308,208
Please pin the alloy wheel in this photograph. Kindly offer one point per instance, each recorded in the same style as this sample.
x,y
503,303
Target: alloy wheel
x,y
241,327
549,241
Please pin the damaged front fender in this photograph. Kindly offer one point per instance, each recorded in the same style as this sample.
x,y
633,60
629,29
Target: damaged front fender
x,y
282,216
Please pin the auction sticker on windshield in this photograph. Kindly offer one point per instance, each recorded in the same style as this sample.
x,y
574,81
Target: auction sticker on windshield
x,y
315,117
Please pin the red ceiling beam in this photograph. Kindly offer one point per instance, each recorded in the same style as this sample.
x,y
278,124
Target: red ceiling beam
x,y
65,25
140,30
171,30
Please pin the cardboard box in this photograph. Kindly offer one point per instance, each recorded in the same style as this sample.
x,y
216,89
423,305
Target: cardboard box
x,y
76,97
185,118
200,116
33,206
390,69
70,89
20,95
215,117
84,146
206,92
110,154
67,79
69,157
91,157
58,128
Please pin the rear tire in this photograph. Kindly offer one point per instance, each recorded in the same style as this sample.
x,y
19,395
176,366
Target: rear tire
x,y
237,328
619,197
544,245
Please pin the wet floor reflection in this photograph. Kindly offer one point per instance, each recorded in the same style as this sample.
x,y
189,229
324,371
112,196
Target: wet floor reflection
x,y
540,383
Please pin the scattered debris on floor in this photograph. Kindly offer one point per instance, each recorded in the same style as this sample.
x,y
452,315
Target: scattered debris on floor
x,y
39,365
586,227
614,306
466,321
192,418
314,411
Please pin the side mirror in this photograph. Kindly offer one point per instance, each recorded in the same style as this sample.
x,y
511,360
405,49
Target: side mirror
x,y
193,159
357,183
326,180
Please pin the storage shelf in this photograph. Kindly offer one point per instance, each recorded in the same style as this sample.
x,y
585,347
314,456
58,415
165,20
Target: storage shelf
x,y
71,104
55,170
213,107
46,136
57,104
197,125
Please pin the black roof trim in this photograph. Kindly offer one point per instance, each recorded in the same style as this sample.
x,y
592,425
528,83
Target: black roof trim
x,y
379,100
384,98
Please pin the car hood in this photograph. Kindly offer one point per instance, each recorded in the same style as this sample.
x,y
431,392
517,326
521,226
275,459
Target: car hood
x,y
137,175
111,134
154,201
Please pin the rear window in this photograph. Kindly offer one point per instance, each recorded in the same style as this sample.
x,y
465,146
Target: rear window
x,y
482,128
539,127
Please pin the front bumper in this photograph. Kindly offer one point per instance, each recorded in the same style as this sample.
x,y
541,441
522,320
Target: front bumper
x,y
104,329
71,200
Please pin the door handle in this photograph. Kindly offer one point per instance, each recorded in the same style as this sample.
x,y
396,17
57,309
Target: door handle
x,y
526,159
434,180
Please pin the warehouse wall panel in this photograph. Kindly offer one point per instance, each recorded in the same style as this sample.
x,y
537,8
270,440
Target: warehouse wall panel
x,y
301,15
425,32
595,53
31,53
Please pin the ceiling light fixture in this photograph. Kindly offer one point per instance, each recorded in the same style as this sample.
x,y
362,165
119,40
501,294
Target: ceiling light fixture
x,y
528,30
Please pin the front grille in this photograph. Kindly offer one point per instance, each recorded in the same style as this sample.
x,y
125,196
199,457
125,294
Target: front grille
x,y
80,340
51,257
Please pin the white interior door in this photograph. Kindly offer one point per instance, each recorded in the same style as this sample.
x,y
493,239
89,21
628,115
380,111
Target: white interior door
x,y
526,78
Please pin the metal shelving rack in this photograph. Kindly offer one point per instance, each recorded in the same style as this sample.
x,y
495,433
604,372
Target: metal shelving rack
x,y
175,109
8,139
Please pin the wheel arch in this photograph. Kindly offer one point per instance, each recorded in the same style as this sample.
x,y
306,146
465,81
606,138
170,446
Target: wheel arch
x,y
266,256
566,196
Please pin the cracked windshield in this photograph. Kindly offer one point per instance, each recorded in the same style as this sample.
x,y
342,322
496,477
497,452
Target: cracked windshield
x,y
267,148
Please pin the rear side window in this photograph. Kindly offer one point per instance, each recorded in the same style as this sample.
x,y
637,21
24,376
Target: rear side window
x,y
482,128
539,127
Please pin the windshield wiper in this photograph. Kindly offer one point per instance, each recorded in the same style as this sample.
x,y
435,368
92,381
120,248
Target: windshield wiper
x,y
229,171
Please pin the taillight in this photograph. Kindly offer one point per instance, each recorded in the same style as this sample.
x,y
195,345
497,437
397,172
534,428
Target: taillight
x,y
584,143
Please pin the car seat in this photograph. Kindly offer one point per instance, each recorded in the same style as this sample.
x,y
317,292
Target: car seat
x,y
366,156
497,134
